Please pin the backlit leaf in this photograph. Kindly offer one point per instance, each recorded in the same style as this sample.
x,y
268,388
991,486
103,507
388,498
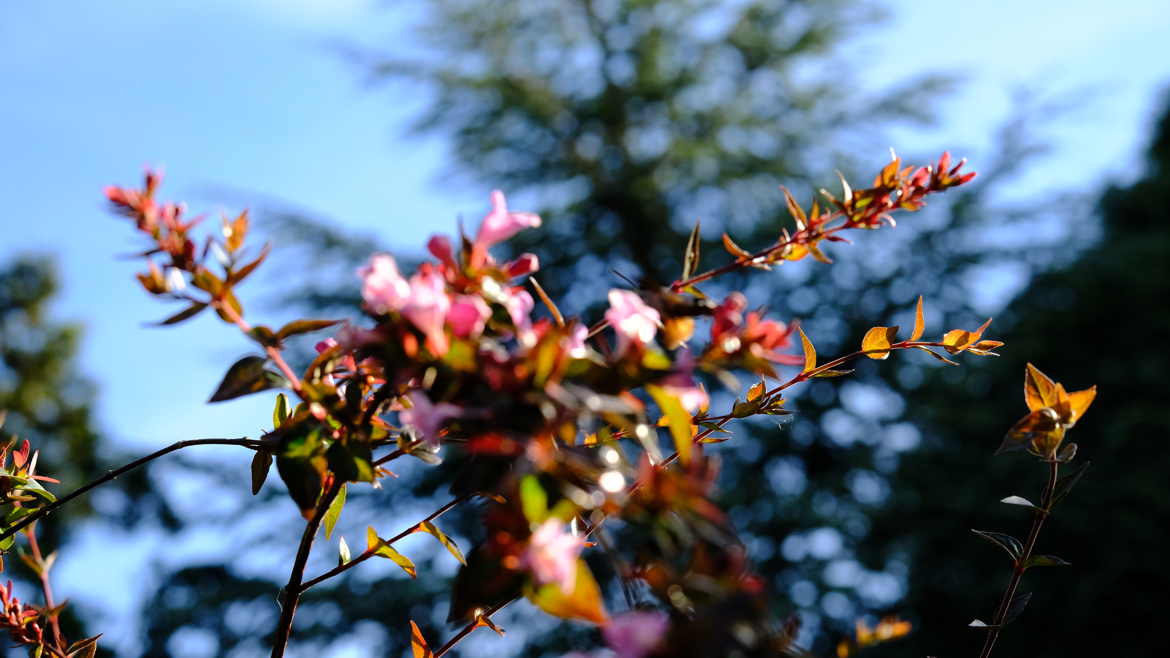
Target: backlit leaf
x,y
677,418
936,355
334,511
960,340
879,338
734,249
1039,389
418,643
810,352
584,602
280,410
1018,500
343,554
533,499
795,210
919,321
382,549
433,530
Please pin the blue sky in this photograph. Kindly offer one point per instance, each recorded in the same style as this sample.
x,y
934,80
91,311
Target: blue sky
x,y
251,95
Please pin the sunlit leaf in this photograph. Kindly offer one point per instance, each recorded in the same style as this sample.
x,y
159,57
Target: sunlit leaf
x,y
879,338
959,340
418,643
1079,401
755,391
334,512
810,352
1018,500
936,355
343,554
919,321
433,530
382,549
1039,389
795,210
827,374
734,249
280,410
584,602
533,499
678,419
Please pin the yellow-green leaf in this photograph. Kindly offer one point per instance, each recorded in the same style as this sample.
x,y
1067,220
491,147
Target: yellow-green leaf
x,y
433,530
919,321
810,352
879,338
691,257
677,418
584,602
334,511
418,643
533,499
382,549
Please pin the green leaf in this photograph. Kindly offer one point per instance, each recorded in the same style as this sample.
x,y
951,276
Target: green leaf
x,y
833,373
303,327
533,499
1004,541
1065,484
261,461
303,480
691,257
280,410
263,334
584,602
334,512
352,462
677,418
185,314
433,530
382,549
246,376
1045,561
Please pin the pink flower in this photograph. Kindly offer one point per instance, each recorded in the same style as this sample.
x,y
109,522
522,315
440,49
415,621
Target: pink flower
x,y
631,318
767,336
440,247
468,315
681,384
552,555
427,307
575,341
499,224
383,288
728,315
425,417
525,264
635,634
520,304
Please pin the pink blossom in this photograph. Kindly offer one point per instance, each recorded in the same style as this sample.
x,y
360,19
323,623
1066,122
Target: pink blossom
x,y
499,224
575,341
728,315
440,247
681,384
552,555
631,318
426,417
520,304
525,264
635,634
383,288
767,336
427,307
468,315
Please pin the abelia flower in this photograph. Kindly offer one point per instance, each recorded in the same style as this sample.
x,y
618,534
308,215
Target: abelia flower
x,y
427,306
499,224
552,555
468,316
525,264
575,341
383,288
631,318
440,247
426,417
728,315
636,634
519,305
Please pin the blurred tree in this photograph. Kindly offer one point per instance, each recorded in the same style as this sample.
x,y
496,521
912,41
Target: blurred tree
x,y
625,120
1098,320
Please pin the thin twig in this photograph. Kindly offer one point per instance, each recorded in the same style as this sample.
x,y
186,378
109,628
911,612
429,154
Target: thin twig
x,y
1020,567
113,474
471,627
46,587
373,550
290,596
